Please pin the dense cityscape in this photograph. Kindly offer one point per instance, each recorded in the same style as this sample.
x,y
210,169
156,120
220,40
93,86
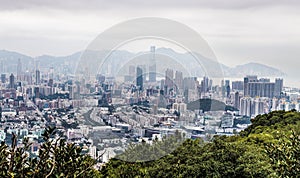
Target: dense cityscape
x,y
104,116
149,89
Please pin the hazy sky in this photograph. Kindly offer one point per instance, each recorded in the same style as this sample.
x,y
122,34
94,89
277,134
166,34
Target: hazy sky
x,y
265,31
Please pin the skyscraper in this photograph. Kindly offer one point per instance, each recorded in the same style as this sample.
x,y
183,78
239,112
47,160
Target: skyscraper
x,y
37,92
12,81
152,67
179,80
278,87
205,85
227,86
3,78
37,77
19,70
139,78
51,73
169,77
223,88
237,100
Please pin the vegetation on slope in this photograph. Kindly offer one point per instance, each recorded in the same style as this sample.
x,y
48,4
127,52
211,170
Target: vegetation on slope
x,y
56,158
270,147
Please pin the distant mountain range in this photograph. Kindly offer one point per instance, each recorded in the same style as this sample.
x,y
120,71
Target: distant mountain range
x,y
68,64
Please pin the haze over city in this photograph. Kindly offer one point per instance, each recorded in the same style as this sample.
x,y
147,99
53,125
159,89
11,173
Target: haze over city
x,y
265,32
140,88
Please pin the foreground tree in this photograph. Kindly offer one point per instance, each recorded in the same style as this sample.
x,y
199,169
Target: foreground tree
x,y
285,155
56,158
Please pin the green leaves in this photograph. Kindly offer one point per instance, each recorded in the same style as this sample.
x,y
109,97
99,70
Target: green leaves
x,y
270,147
265,149
285,155
57,158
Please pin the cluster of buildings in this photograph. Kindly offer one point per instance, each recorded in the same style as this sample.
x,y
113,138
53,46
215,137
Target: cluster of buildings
x,y
254,96
103,114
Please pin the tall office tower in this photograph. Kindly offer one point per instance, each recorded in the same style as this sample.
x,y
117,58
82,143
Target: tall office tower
x,y
169,78
227,83
186,95
145,71
12,81
205,85
227,87
278,87
51,73
179,80
210,84
237,100
3,78
71,91
37,77
37,92
223,88
139,78
152,67
19,69
28,77
247,80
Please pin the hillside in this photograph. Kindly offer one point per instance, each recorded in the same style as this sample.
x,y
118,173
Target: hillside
x,y
270,147
253,69
186,60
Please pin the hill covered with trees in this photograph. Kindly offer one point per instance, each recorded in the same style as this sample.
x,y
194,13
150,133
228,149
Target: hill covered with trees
x,y
270,147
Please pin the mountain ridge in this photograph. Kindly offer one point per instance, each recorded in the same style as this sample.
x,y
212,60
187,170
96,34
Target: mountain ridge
x,y
240,70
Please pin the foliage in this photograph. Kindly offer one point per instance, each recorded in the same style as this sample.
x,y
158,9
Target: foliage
x,y
56,158
285,155
270,147
266,149
146,152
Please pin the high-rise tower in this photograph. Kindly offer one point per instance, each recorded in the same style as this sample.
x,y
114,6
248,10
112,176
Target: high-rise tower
x,y
169,77
139,78
152,67
37,77
19,70
12,81
278,87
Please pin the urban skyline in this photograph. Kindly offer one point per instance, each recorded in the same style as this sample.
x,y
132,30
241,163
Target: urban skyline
x,y
149,89
241,32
